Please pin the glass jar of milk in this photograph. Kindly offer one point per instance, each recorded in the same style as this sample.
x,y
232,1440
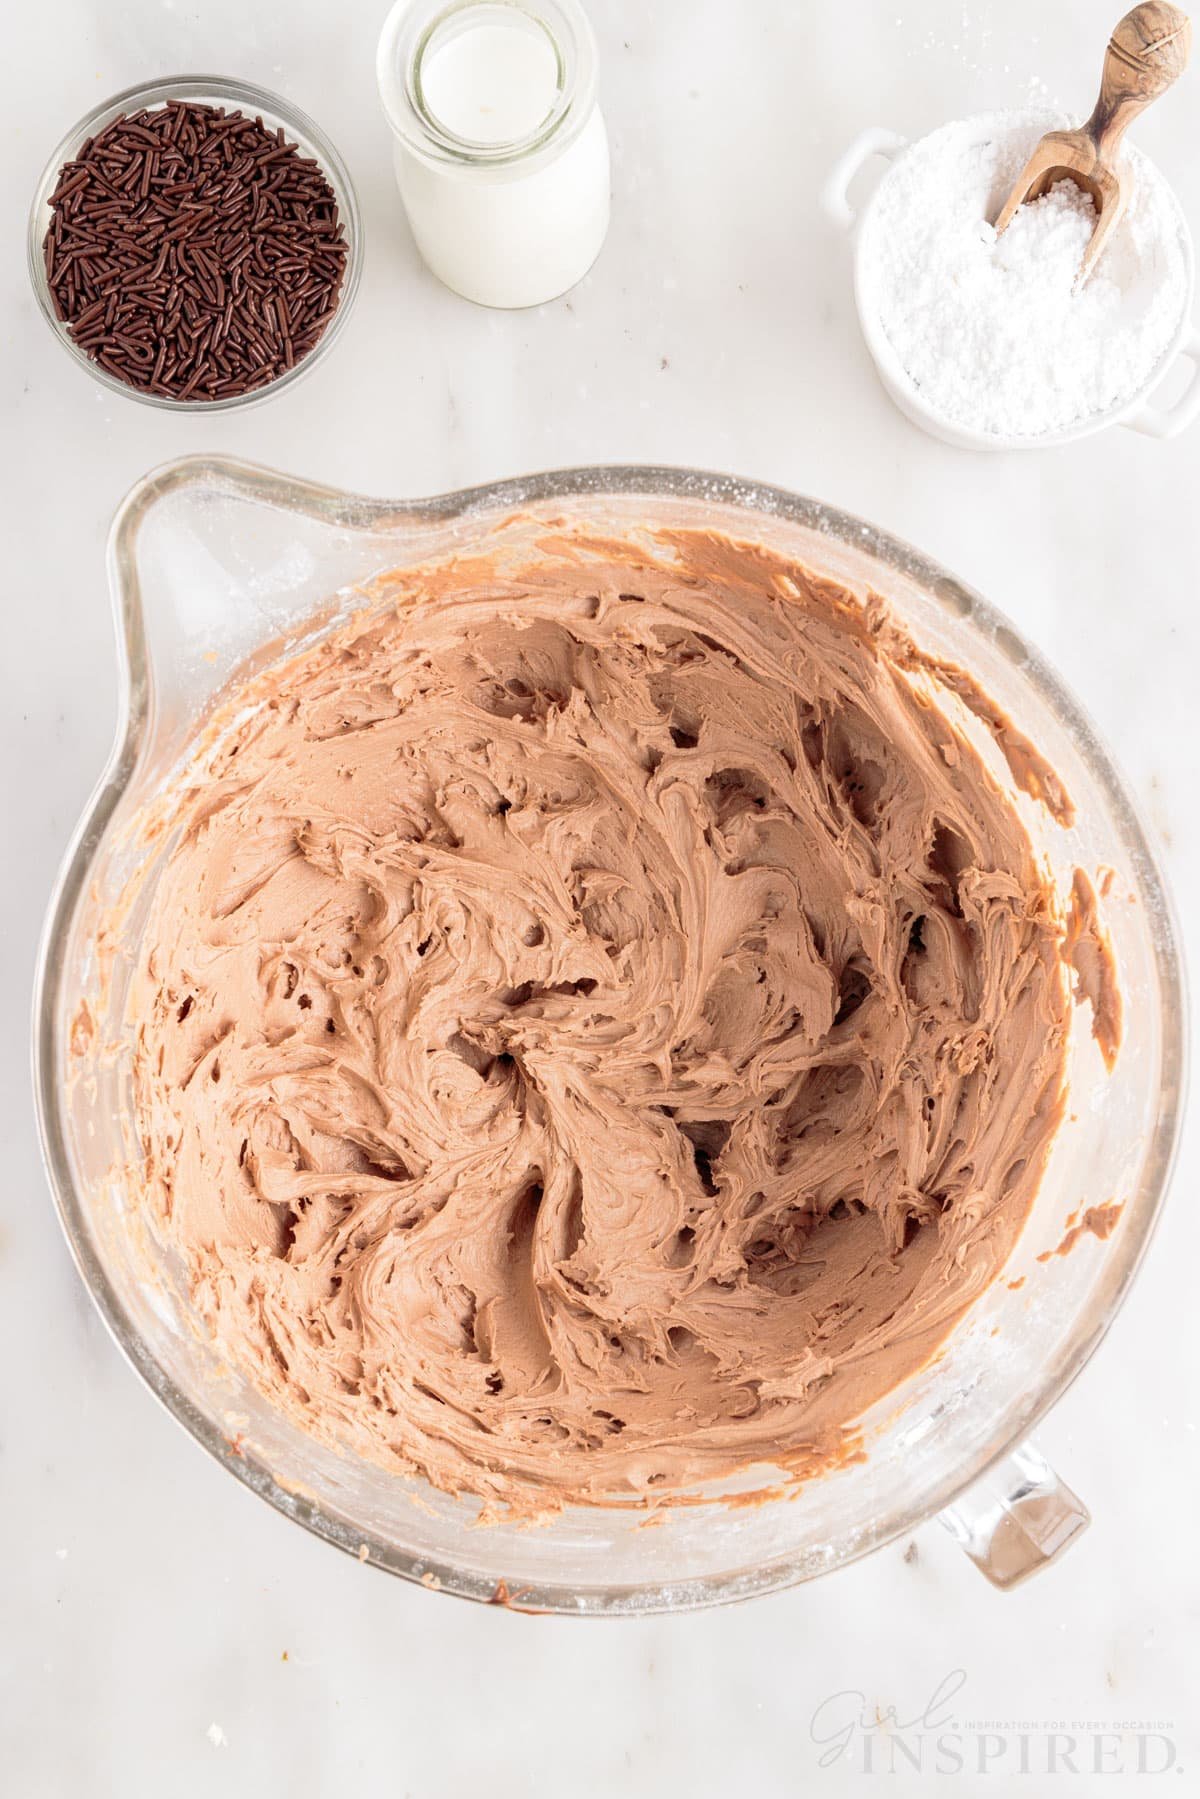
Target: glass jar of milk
x,y
501,152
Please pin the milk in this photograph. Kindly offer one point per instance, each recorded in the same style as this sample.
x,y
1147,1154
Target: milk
x,y
501,154
494,81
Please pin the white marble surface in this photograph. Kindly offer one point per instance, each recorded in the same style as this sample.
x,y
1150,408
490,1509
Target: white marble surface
x,y
144,1597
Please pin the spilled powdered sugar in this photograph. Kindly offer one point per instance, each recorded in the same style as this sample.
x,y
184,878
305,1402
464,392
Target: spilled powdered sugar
x,y
993,332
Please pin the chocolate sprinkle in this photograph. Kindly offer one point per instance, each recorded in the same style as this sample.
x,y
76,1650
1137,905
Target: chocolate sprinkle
x,y
193,252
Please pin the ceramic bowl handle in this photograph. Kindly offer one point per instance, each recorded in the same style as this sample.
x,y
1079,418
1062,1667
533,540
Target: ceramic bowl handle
x,y
1017,1519
876,140
1169,421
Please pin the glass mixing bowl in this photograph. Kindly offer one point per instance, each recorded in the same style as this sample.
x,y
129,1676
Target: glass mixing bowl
x,y
217,567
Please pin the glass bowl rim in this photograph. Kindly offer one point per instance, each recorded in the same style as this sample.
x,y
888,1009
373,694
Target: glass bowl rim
x,y
222,89
363,513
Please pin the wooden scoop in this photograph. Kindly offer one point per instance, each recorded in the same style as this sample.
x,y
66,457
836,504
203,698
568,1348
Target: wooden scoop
x,y
1145,54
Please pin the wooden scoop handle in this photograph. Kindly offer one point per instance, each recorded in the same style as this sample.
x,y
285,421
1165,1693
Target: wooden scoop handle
x,y
1147,52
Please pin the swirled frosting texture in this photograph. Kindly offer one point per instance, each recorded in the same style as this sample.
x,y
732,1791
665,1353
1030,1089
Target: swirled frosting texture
x,y
599,1026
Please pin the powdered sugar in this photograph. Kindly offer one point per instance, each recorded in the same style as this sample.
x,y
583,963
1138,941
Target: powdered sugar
x,y
993,332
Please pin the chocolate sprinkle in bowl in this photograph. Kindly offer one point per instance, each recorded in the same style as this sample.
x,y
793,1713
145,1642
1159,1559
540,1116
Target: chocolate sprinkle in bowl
x,y
195,243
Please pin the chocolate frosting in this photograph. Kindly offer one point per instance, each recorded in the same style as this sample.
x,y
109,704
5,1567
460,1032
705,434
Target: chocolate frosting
x,y
599,1026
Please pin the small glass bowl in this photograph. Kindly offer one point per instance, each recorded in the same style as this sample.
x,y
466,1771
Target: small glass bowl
x,y
255,102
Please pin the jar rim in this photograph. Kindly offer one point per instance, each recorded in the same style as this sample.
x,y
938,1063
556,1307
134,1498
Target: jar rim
x,y
411,29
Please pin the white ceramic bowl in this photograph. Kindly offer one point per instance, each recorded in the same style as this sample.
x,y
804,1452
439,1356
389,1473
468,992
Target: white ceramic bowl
x,y
1139,412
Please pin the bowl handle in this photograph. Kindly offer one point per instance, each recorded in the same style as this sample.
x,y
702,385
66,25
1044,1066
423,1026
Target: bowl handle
x,y
834,199
1017,1518
1169,421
